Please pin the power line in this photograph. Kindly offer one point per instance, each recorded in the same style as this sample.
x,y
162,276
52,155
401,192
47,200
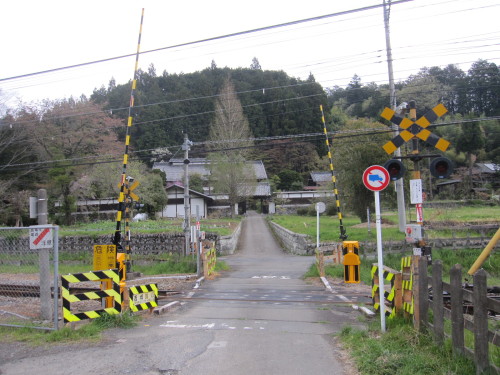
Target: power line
x,y
338,135
226,36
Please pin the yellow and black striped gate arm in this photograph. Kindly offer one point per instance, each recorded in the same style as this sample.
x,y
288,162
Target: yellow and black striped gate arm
x,y
343,233
121,198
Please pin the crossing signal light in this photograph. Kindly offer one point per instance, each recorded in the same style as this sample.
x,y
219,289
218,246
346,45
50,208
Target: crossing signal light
x,y
441,167
395,168
350,250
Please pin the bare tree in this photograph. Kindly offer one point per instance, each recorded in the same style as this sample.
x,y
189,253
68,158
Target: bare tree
x,y
230,132
230,138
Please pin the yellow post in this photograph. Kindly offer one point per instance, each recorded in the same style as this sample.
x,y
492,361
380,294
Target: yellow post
x,y
351,261
122,271
485,253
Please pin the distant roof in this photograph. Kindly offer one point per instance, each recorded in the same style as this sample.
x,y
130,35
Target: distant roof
x,y
194,192
449,182
488,167
174,169
263,189
321,176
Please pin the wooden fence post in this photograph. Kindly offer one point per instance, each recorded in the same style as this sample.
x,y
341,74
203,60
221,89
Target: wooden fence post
x,y
437,301
480,322
421,295
457,316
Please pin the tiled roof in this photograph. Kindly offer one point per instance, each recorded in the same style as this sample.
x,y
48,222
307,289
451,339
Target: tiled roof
x,y
263,189
321,176
174,169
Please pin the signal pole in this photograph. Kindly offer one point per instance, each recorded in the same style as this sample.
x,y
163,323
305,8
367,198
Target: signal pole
x,y
398,183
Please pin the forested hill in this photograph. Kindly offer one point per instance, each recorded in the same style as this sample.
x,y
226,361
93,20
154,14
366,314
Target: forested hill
x,y
275,104
166,105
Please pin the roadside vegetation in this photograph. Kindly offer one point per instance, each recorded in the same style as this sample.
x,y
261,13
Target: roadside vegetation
x,y
88,331
401,350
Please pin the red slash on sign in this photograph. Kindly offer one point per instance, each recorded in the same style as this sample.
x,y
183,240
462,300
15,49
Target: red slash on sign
x,y
41,236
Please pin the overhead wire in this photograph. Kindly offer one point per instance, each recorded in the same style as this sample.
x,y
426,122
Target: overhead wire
x,y
338,135
433,4
236,34
231,35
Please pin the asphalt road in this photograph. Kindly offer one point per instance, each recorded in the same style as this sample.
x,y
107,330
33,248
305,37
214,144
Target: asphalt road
x,y
258,318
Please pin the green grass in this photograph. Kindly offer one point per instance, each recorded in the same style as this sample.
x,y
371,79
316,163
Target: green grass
x,y
221,266
90,331
171,265
463,214
401,350
329,225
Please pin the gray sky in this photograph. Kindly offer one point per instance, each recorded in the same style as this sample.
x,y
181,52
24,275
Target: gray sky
x,y
51,34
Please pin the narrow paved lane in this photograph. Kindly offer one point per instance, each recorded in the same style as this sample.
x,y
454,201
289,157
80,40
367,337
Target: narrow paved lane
x,y
262,318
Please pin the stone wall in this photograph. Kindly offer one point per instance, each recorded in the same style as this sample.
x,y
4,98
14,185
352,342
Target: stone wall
x,y
150,244
227,244
293,243
301,244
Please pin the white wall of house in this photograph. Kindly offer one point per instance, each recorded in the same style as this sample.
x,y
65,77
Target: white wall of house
x,y
202,207
177,210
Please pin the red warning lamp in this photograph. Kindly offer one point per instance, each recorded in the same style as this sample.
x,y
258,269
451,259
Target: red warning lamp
x,y
395,168
441,167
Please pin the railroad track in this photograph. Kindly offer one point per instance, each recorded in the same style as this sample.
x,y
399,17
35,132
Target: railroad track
x,y
23,291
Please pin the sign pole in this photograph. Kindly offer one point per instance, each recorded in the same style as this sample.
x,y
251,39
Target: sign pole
x,y
376,179
320,208
317,229
380,259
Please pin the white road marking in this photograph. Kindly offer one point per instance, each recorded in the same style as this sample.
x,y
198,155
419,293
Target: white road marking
x,y
272,277
217,344
209,326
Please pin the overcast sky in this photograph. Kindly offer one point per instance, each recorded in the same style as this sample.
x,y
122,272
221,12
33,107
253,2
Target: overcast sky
x,y
41,35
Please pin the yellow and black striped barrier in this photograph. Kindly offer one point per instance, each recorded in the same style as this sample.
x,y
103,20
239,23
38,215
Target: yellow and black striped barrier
x,y
389,296
407,284
68,298
143,297
209,261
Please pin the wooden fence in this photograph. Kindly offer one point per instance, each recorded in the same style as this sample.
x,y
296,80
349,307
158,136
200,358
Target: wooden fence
x,y
466,309
456,310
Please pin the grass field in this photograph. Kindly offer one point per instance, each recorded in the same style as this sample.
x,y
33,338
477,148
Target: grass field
x,y
222,227
452,222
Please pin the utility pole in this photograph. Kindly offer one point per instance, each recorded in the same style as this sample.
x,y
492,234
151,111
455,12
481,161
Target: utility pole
x,y
398,183
187,206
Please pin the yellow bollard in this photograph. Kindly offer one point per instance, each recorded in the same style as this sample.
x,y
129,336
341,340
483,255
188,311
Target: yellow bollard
x,y
351,261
